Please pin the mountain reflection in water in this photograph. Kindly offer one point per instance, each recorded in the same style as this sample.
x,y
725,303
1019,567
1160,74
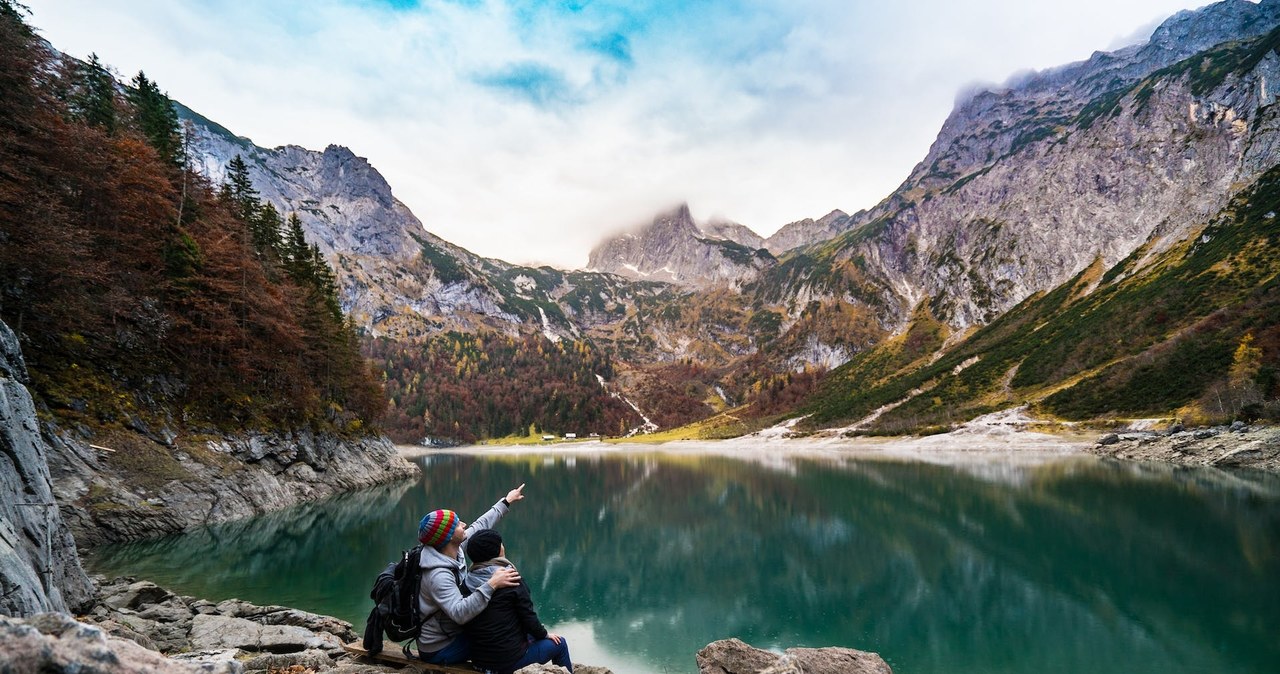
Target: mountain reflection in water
x,y
1070,566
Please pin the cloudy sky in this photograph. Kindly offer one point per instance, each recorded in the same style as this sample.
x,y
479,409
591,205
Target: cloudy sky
x,y
528,130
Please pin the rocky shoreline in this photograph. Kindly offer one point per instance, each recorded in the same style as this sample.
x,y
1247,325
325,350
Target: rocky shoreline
x,y
1235,446
137,626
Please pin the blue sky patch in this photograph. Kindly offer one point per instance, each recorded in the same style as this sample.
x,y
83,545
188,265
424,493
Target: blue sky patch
x,y
532,82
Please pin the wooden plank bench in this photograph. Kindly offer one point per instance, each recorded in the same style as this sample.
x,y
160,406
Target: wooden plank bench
x,y
392,655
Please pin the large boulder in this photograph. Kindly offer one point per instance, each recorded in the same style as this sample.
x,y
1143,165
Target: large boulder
x,y
732,656
54,643
218,632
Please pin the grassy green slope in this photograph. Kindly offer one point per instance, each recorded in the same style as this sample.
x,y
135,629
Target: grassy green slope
x,y
1161,340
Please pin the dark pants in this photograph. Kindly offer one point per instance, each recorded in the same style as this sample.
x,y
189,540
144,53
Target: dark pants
x,y
458,650
545,650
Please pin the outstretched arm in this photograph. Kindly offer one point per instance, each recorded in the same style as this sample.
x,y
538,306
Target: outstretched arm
x,y
491,518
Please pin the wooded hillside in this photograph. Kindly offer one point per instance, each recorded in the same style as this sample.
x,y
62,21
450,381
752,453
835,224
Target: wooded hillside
x,y
141,293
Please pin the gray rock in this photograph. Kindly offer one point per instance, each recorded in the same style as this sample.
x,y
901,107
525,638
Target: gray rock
x,y
732,656
212,632
1238,426
170,611
136,594
837,661
63,646
1109,439
204,606
347,667
548,668
544,669
311,659
283,615
39,567
228,482
226,661
127,630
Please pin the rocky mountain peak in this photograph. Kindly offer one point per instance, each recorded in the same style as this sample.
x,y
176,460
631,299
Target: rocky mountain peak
x,y
1190,31
993,122
1029,184
732,231
673,249
808,231
344,203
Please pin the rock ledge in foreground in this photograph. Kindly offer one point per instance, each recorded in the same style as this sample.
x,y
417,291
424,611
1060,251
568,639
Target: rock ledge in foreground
x,y
732,656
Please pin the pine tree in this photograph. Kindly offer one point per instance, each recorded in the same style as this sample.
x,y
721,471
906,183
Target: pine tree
x,y
156,118
325,284
296,254
239,188
265,226
93,99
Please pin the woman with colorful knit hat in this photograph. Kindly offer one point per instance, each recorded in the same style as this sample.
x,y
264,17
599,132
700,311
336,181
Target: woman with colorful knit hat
x,y
443,598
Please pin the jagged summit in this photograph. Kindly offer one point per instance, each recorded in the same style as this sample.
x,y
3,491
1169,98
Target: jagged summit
x,y
732,231
673,249
344,203
1026,186
807,231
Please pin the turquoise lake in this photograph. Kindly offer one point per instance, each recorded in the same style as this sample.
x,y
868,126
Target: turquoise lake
x,y
641,559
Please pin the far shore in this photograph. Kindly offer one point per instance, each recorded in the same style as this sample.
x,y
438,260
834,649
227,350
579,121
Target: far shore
x,y
1004,438
979,440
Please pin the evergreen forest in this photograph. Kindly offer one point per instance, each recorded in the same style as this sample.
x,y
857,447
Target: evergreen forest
x,y
141,293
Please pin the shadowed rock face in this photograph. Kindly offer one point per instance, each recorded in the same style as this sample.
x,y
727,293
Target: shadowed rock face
x,y
39,567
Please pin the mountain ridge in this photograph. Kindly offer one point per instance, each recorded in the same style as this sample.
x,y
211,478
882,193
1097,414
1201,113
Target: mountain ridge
x,y
1118,157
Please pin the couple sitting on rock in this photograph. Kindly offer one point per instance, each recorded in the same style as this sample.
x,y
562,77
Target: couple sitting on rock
x,y
484,615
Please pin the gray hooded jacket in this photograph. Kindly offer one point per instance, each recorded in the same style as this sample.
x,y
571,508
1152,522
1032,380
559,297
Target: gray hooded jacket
x,y
439,597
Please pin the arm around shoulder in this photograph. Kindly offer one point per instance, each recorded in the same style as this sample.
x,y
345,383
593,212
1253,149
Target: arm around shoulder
x,y
443,588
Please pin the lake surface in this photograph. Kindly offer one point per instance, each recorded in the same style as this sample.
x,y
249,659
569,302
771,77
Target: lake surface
x,y
640,560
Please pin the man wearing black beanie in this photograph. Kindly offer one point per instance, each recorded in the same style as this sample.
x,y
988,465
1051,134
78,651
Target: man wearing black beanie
x,y
507,635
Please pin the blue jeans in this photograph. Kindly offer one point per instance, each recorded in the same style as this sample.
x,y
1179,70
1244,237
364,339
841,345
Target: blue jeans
x,y
546,650
458,650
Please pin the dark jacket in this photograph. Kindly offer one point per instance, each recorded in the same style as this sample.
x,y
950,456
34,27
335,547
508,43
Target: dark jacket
x,y
500,634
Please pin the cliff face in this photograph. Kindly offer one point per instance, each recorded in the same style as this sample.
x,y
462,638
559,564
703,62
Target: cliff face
x,y
39,567
139,487
1027,186
394,276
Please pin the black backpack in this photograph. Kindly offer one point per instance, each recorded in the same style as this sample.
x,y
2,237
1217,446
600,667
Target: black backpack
x,y
395,602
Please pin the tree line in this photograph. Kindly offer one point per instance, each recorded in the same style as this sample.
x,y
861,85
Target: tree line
x,y
139,290
468,387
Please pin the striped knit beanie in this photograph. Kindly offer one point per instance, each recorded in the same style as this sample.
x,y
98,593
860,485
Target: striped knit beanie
x,y
436,528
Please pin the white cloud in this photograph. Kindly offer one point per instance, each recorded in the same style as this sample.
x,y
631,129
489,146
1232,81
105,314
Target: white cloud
x,y
760,112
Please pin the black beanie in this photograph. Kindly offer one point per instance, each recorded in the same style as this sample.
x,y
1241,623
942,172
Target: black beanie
x,y
484,545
